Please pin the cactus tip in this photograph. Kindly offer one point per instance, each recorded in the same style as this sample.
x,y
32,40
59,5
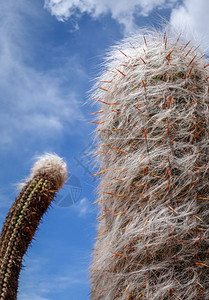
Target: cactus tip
x,y
53,166
49,164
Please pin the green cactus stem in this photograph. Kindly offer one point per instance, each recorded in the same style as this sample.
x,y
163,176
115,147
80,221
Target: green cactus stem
x,y
47,176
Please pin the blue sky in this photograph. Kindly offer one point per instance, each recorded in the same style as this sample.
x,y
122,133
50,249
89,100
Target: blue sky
x,y
50,52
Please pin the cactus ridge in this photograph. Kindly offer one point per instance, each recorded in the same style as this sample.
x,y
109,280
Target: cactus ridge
x,y
19,230
153,157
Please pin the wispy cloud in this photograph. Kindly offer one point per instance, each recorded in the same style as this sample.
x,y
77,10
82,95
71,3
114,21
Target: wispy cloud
x,y
33,102
122,11
191,18
40,283
83,207
32,296
188,16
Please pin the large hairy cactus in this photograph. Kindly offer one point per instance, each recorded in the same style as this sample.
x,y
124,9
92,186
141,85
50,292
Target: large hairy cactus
x,y
153,231
47,176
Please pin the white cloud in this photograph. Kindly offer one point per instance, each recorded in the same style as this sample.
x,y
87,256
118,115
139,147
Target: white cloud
x,y
83,207
32,296
191,18
188,16
33,103
37,283
123,11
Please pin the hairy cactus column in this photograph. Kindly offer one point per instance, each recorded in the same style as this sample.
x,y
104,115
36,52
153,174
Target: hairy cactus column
x,y
47,176
153,232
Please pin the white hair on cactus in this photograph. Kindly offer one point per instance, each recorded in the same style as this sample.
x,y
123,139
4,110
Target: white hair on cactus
x,y
153,155
50,165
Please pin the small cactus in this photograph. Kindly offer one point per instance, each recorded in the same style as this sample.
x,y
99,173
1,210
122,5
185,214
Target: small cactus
x,y
47,176
153,129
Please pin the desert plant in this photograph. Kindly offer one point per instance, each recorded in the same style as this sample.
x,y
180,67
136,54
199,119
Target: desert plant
x,y
47,176
153,133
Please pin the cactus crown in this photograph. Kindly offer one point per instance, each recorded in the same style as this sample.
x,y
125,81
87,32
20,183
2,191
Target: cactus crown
x,y
50,164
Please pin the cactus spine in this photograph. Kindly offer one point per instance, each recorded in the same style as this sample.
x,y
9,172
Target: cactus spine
x,y
47,176
153,231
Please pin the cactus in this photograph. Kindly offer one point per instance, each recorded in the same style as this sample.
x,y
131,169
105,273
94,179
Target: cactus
x,y
153,153
47,176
